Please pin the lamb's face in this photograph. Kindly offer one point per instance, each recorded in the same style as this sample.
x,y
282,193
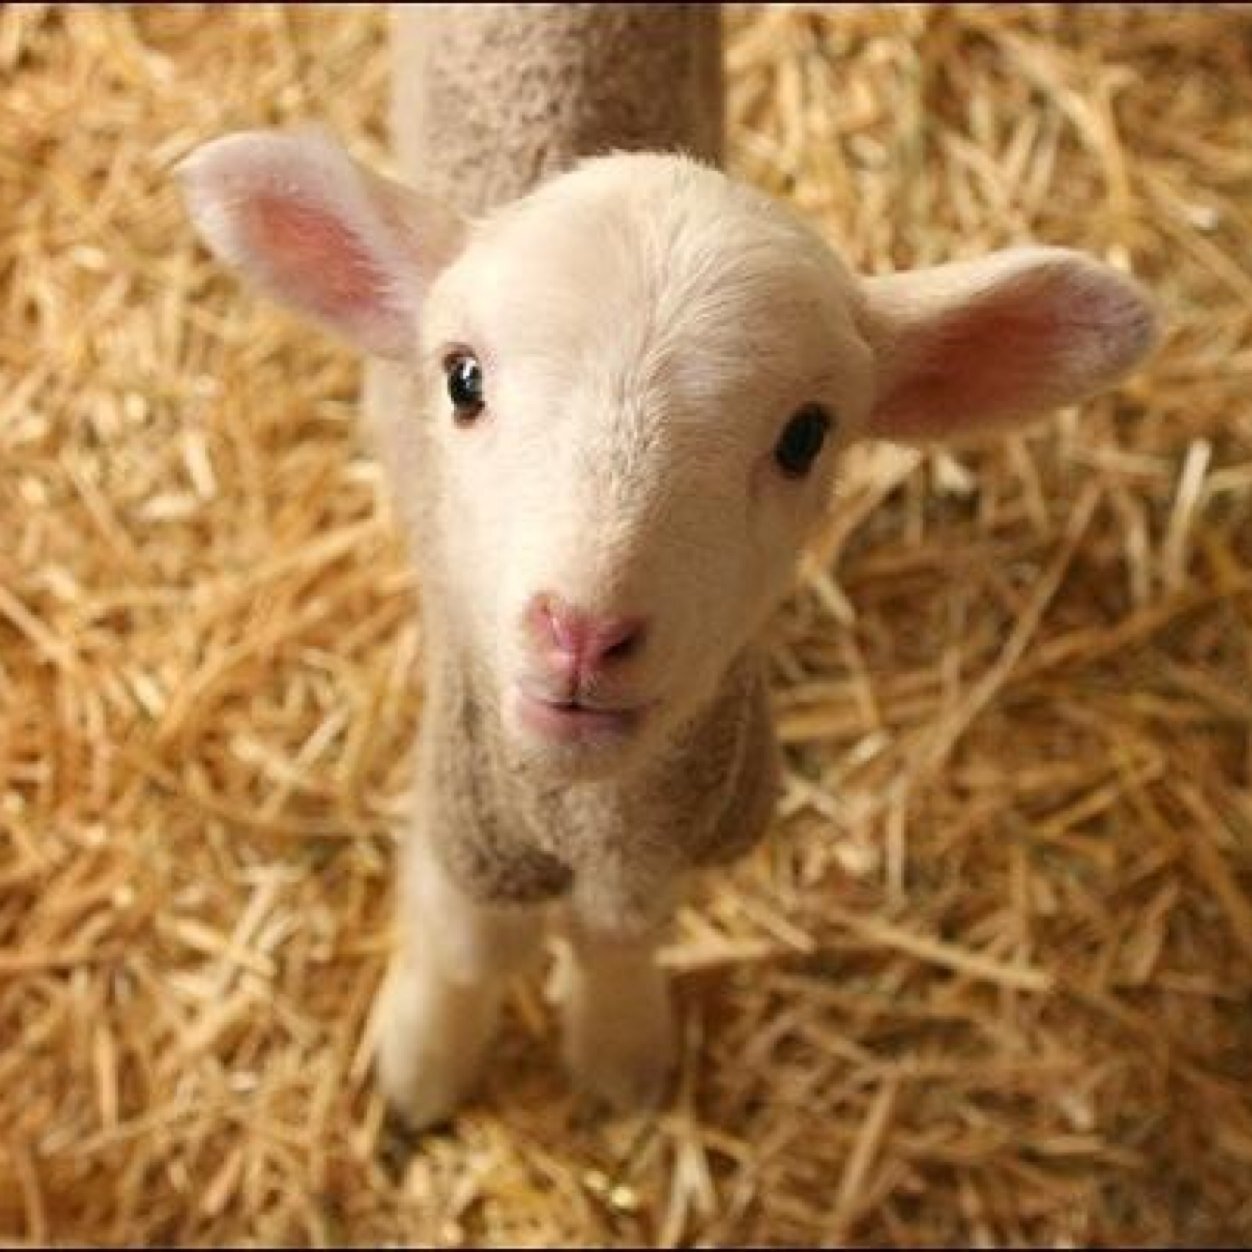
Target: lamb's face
x,y
633,385
638,380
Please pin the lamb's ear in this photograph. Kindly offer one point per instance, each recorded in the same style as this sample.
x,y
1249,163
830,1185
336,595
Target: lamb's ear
x,y
320,233
983,344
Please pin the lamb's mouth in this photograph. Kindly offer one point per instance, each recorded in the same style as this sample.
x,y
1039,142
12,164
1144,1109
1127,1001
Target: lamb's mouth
x,y
573,721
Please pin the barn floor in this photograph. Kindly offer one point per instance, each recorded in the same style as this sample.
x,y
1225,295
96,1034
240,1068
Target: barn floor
x,y
990,981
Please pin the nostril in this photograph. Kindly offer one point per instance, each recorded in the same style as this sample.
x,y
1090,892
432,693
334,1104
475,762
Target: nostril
x,y
625,647
618,639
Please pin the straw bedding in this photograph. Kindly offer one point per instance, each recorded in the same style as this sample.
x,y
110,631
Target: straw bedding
x,y
990,978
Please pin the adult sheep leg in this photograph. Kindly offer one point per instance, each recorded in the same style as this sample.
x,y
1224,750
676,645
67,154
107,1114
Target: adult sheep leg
x,y
445,987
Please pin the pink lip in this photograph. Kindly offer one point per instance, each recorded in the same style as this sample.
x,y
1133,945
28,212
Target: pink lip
x,y
572,723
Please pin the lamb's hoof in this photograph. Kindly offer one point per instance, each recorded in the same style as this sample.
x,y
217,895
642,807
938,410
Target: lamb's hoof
x,y
628,1082
432,1048
623,1060
423,1092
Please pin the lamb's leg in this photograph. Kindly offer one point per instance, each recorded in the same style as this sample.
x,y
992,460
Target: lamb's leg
x,y
443,993
619,1025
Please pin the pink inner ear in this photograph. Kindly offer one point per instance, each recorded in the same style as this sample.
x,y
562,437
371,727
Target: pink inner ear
x,y
312,256
1000,359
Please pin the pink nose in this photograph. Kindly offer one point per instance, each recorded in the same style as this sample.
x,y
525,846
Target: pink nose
x,y
587,643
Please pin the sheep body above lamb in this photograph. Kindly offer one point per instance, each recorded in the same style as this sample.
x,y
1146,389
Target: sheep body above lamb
x,y
611,422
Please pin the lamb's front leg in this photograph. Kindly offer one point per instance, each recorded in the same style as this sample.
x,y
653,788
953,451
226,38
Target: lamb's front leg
x,y
618,1016
444,990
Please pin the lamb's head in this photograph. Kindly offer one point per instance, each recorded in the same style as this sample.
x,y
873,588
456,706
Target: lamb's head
x,y
630,389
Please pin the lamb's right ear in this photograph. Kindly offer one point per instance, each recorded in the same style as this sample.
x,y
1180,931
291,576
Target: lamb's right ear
x,y
320,233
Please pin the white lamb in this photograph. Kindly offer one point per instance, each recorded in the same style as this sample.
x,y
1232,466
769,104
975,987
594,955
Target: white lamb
x,y
612,419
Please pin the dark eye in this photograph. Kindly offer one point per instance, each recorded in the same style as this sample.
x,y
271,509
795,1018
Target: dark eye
x,y
801,441
465,386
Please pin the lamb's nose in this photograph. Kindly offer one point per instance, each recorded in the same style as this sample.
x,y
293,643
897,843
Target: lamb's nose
x,y
587,642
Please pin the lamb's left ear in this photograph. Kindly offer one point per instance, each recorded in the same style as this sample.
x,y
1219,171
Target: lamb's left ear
x,y
984,344
320,233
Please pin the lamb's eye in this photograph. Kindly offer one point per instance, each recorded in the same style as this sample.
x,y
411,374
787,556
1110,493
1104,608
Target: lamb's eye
x,y
801,440
465,385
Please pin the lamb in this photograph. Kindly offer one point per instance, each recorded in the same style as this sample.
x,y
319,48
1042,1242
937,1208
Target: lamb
x,y
611,410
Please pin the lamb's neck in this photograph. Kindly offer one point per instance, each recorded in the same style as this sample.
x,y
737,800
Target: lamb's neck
x,y
489,98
